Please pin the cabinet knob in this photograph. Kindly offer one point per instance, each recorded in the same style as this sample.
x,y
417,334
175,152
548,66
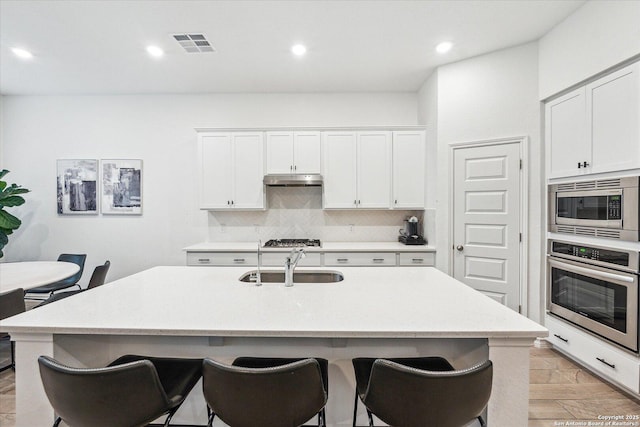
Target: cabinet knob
x,y
295,168
395,201
459,248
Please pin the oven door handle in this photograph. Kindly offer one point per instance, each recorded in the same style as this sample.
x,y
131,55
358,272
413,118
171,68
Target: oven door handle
x,y
600,274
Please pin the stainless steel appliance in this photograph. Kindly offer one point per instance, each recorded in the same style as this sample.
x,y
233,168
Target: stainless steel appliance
x,y
595,288
602,208
292,243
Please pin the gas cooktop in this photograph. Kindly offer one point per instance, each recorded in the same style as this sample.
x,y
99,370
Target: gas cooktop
x,y
292,243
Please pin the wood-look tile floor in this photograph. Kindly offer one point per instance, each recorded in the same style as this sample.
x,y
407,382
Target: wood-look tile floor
x,y
560,391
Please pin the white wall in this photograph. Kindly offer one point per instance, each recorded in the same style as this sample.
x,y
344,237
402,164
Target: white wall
x,y
597,36
488,97
159,129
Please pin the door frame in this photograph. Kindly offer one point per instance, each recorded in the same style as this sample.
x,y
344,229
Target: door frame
x,y
523,142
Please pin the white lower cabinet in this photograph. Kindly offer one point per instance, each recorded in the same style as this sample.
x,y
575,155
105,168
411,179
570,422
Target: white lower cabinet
x,y
417,258
222,258
314,259
611,362
276,259
368,259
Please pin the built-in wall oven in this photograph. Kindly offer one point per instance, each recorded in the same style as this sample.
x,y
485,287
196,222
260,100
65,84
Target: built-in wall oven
x,y
601,208
595,288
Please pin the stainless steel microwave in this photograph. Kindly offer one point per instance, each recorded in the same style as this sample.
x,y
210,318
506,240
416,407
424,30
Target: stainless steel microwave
x,y
603,208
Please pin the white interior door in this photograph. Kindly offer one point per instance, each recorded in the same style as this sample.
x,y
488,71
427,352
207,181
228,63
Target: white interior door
x,y
486,241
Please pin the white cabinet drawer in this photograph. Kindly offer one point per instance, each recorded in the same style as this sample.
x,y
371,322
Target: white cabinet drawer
x,y
418,258
603,358
360,258
277,259
222,258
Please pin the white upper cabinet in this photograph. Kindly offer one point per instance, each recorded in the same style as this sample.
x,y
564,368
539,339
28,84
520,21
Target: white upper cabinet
x,y
374,170
614,102
356,170
408,169
565,126
339,170
293,152
595,128
230,170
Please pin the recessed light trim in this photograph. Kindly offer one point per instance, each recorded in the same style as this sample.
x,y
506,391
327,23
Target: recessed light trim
x,y
21,53
155,51
444,47
298,49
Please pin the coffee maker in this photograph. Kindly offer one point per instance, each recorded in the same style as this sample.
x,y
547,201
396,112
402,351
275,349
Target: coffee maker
x,y
410,233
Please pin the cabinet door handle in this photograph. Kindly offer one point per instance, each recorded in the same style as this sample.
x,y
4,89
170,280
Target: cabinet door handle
x,y
358,201
585,164
561,338
238,260
204,259
611,365
417,260
291,168
395,201
295,168
232,203
355,202
378,260
579,165
343,260
228,202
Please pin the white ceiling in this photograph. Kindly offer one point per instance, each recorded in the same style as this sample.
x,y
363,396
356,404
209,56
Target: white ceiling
x,y
98,47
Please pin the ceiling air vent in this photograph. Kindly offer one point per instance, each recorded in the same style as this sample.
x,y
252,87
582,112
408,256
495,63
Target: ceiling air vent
x,y
194,43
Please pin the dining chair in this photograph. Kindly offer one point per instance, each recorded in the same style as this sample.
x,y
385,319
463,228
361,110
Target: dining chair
x,y
97,279
404,396
11,303
132,391
285,395
65,283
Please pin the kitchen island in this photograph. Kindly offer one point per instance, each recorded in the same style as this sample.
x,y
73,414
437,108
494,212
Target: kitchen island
x,y
208,312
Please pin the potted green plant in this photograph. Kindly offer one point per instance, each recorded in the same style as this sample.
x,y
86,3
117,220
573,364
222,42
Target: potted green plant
x,y
9,197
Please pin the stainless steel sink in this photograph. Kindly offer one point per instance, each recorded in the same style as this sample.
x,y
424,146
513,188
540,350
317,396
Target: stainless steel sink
x,y
305,276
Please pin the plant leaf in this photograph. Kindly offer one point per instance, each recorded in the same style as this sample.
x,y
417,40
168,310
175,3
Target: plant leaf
x,y
9,221
3,172
6,231
11,201
3,185
3,238
19,190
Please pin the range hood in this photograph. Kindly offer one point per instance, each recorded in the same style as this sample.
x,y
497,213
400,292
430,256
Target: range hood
x,y
293,180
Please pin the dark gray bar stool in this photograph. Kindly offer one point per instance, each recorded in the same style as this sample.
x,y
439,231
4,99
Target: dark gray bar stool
x,y
97,279
132,391
284,395
402,393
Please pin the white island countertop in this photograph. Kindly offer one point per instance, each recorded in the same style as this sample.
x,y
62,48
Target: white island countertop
x,y
326,247
376,302
207,312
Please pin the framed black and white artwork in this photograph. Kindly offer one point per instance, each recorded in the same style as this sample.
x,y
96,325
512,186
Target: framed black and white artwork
x,y
122,186
77,186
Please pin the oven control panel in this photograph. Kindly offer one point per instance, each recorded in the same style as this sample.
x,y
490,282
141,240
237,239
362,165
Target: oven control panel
x,y
607,256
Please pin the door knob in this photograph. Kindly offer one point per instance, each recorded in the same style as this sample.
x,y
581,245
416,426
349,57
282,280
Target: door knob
x,y
460,248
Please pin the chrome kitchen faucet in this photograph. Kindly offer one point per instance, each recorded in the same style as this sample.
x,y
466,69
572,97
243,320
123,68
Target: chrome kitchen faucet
x,y
290,264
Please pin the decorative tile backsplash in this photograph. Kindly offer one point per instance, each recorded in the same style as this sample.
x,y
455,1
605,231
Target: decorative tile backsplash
x,y
296,212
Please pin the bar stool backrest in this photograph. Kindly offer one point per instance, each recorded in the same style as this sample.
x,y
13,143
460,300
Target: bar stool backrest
x,y
407,397
122,395
286,395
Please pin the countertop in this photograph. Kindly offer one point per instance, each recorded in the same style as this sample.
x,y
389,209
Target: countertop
x,y
326,247
371,302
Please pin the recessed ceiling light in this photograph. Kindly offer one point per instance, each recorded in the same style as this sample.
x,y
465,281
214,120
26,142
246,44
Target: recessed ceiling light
x,y
155,51
21,53
444,47
298,49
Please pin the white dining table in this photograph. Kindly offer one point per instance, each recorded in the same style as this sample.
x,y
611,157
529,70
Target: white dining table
x,y
31,274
